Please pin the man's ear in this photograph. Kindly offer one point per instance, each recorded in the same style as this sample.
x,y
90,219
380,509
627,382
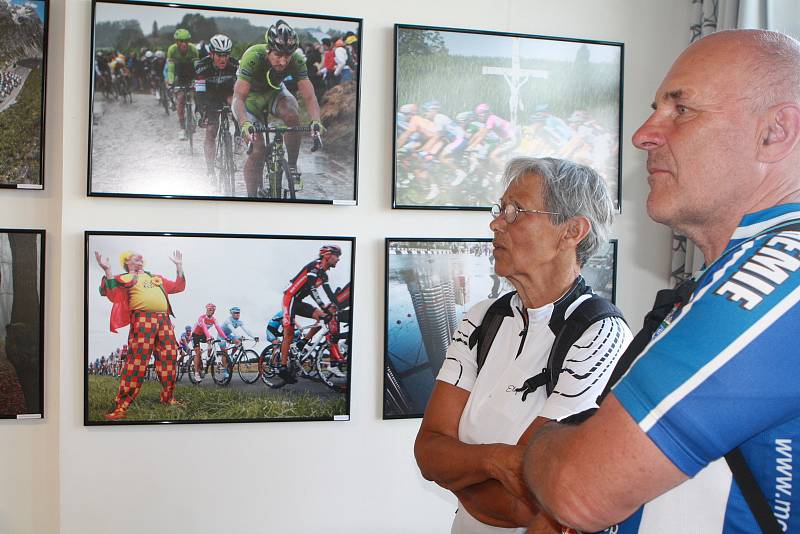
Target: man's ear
x,y
575,229
780,132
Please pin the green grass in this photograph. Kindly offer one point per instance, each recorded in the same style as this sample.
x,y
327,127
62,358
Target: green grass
x,y
211,403
19,134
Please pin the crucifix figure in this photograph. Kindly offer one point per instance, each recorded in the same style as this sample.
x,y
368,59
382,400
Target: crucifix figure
x,y
515,77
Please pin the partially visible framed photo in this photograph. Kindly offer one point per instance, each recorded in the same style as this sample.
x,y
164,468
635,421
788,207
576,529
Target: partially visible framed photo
x,y
467,101
21,324
430,283
188,328
23,80
165,122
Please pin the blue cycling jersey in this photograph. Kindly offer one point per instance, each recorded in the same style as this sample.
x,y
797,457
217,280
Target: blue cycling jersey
x,y
231,324
724,374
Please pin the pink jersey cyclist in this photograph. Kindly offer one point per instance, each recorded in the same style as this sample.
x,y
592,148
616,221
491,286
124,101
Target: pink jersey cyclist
x,y
501,126
202,326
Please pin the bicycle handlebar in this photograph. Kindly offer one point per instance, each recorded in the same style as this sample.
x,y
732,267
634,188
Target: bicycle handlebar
x,y
262,128
266,128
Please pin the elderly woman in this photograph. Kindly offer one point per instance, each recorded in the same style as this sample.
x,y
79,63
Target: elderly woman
x,y
553,216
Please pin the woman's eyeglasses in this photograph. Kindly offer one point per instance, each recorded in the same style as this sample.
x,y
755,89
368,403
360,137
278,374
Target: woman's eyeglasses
x,y
510,212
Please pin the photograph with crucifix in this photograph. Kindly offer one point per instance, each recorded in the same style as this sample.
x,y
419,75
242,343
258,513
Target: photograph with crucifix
x,y
467,101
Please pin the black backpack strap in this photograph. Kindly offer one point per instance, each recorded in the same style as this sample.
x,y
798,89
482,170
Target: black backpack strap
x,y
752,492
588,312
484,334
666,301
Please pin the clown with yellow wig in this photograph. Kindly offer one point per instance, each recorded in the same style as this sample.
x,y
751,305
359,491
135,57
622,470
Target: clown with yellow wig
x,y
139,299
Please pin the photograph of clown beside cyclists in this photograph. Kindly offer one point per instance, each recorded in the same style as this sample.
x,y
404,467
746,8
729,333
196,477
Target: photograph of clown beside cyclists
x,y
188,327
216,103
466,102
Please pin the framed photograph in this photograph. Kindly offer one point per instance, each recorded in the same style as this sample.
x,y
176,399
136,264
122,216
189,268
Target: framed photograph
x,y
430,283
21,324
189,328
172,83
23,80
467,101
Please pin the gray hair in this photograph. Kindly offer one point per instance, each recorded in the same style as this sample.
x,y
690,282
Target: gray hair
x,y
570,190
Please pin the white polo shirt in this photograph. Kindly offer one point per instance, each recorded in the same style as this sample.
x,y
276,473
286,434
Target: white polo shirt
x,y
495,412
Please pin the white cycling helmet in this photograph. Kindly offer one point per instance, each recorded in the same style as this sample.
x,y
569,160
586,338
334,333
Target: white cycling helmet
x,y
220,44
148,54
160,54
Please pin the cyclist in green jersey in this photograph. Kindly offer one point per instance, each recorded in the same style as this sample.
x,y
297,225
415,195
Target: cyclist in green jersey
x,y
181,57
259,91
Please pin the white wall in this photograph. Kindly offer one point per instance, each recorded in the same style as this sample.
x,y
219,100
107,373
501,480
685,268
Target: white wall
x,y
356,476
29,468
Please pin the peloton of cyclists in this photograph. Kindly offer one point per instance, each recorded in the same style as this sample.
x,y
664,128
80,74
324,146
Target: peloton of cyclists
x,y
259,92
180,71
202,334
214,77
305,284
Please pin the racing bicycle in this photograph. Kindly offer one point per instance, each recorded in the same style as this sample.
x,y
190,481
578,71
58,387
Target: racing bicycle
x,y
312,361
210,360
223,155
188,113
276,166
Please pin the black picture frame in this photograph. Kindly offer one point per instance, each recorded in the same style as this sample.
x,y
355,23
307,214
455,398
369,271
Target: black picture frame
x,y
22,272
450,159
257,289
155,164
429,283
23,95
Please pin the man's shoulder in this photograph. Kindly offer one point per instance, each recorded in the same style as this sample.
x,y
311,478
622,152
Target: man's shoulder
x,y
202,66
298,56
253,60
758,274
173,48
254,53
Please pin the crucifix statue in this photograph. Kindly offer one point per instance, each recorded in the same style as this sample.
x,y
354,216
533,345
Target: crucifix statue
x,y
515,77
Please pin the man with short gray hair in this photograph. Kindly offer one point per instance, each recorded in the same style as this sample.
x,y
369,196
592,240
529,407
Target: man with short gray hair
x,y
719,375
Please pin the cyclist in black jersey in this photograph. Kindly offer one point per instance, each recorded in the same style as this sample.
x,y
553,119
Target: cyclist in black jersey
x,y
214,78
304,284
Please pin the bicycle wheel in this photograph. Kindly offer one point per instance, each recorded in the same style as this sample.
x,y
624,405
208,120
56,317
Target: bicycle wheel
x,y
328,376
307,366
287,175
180,368
191,372
188,120
274,178
163,98
268,358
247,366
272,360
228,169
218,372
